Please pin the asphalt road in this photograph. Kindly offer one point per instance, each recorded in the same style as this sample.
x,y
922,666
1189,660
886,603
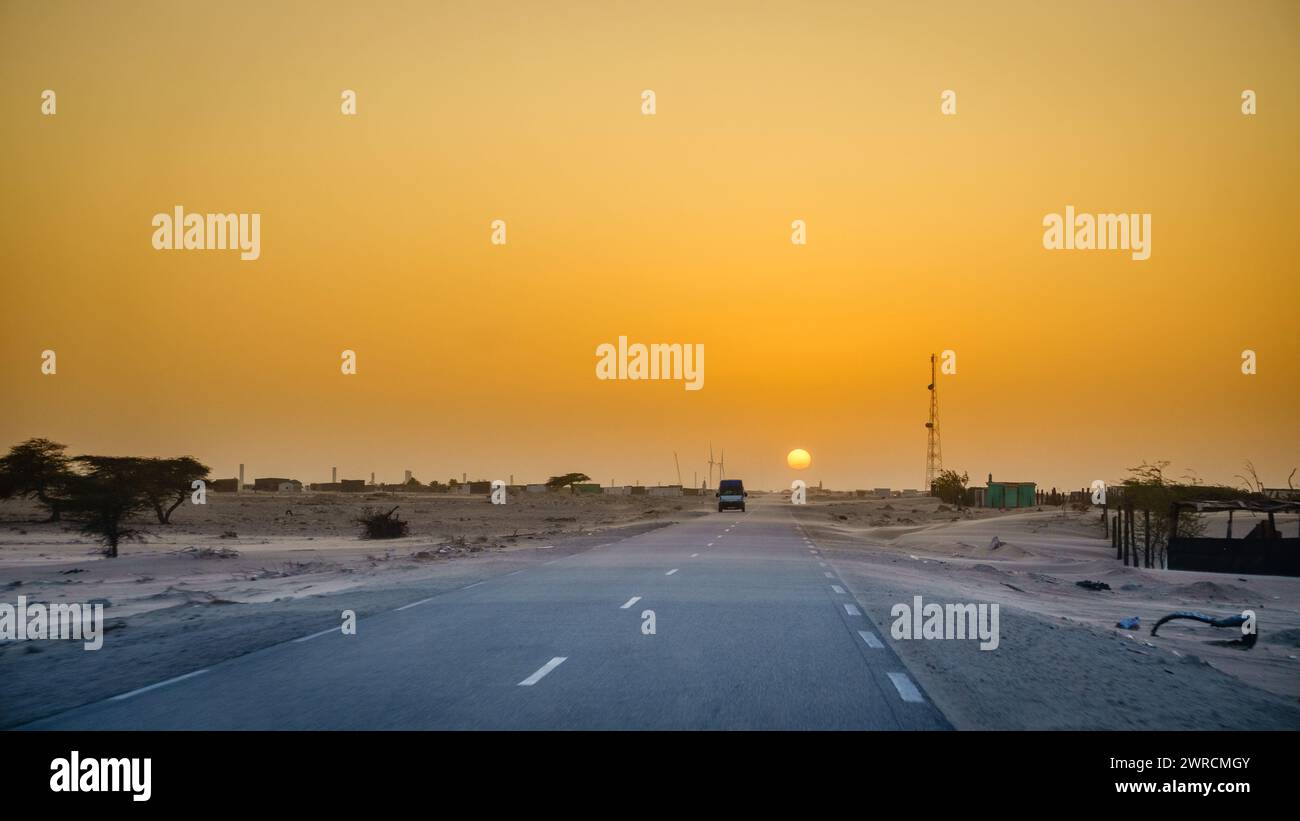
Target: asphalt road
x,y
752,631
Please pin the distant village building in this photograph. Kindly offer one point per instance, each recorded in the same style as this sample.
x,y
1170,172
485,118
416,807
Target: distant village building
x,y
224,485
275,485
537,488
880,492
353,485
665,490
1007,494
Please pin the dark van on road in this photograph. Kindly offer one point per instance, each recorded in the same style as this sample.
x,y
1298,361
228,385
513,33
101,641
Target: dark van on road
x,y
731,494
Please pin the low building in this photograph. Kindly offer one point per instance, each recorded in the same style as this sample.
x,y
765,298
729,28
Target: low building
x,y
1003,495
224,485
665,490
880,492
537,488
353,485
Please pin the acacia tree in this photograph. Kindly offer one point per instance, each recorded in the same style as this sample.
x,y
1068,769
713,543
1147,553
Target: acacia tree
x,y
103,495
39,468
950,486
167,483
1149,490
568,480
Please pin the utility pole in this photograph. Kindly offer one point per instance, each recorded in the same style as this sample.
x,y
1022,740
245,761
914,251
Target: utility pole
x,y
934,449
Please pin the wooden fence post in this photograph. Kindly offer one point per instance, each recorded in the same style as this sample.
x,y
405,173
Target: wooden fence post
x,y
1146,535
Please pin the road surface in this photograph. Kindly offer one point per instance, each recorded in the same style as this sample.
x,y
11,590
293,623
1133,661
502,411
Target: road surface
x,y
752,630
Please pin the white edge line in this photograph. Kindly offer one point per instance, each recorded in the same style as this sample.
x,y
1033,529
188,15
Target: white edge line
x,y
159,684
906,689
545,668
413,604
318,635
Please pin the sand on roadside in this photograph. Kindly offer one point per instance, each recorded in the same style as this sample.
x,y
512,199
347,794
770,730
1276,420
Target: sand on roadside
x,y
1062,661
247,571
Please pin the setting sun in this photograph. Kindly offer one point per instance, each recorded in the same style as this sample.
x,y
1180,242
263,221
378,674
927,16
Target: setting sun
x,y
798,459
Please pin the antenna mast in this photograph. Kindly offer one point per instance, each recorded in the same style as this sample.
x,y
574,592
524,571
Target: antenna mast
x,y
934,449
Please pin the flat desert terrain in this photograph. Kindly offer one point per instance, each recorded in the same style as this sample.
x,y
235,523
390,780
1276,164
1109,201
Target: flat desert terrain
x,y
253,570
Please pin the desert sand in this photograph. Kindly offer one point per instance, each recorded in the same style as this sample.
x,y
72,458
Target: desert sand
x,y
1063,662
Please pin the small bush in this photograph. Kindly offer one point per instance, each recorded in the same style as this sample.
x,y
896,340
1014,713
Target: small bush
x,y
376,524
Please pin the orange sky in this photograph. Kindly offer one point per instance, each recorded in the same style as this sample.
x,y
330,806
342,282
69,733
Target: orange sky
x,y
924,234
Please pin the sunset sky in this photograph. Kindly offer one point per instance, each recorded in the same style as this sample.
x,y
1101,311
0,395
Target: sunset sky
x,y
924,234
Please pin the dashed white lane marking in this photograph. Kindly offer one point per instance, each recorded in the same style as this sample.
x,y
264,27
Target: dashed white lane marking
x,y
871,640
159,684
318,635
630,602
516,572
695,555
852,610
821,564
839,591
468,586
710,544
671,572
906,689
545,668
828,574
414,604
